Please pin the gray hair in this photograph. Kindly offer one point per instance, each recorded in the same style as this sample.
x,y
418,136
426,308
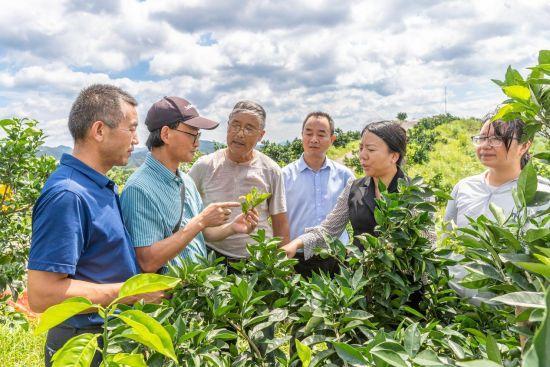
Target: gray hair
x,y
98,102
252,108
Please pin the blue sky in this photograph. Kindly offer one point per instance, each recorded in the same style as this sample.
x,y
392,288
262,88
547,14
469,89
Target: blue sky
x,y
360,61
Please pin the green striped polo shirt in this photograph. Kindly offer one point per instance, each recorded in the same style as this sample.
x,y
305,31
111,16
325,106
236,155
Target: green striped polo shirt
x,y
151,206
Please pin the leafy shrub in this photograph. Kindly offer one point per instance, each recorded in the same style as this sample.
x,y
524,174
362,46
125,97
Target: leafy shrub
x,y
387,305
343,138
22,175
354,163
284,153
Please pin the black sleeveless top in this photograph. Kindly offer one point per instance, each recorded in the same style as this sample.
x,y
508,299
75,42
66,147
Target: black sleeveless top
x,y
361,204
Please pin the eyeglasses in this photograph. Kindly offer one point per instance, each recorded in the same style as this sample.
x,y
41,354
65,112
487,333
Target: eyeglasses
x,y
494,141
248,131
195,136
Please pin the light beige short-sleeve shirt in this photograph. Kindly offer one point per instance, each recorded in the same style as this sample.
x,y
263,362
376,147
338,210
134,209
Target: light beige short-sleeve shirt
x,y
219,179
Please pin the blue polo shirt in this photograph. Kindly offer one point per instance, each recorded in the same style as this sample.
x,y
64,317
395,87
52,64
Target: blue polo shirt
x,y
77,229
311,195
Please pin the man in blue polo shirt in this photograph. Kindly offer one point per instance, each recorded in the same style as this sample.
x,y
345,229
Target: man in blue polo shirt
x,y
163,228
79,244
313,184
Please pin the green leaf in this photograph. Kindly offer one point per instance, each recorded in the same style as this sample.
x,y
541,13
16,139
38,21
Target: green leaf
x,y
517,92
538,354
356,315
349,354
428,358
304,352
522,299
148,331
56,314
484,270
498,213
474,281
457,349
527,183
543,156
541,197
493,353
389,356
544,250
513,76
544,57
479,363
78,351
412,339
535,234
412,311
146,283
507,108
536,268
127,360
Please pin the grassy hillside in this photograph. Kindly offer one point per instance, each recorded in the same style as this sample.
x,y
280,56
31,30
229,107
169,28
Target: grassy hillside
x,y
452,157
21,348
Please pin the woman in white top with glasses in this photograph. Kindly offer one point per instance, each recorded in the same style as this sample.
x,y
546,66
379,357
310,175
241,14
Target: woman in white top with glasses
x,y
499,148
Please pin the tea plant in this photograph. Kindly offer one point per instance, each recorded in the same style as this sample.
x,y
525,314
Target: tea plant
x,y
252,199
132,324
388,305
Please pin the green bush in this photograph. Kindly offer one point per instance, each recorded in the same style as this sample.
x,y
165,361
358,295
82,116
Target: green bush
x,y
22,175
284,153
387,305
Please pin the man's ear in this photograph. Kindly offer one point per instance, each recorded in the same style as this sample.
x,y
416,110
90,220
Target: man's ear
x,y
97,131
261,136
164,134
332,138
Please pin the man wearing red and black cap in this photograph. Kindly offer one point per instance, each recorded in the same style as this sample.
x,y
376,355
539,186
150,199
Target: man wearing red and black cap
x,y
161,206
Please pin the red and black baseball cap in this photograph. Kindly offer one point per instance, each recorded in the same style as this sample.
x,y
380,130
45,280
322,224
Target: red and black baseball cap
x,y
175,109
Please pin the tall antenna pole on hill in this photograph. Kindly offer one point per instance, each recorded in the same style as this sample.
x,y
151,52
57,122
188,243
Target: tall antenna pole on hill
x,y
445,100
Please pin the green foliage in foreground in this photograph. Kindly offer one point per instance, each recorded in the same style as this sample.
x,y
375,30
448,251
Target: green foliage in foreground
x,y
389,305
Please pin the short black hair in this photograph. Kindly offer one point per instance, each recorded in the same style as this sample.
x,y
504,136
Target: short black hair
x,y
507,131
392,133
154,140
98,102
320,114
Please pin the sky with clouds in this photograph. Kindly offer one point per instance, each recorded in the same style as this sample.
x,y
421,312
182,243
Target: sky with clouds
x,y
360,61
